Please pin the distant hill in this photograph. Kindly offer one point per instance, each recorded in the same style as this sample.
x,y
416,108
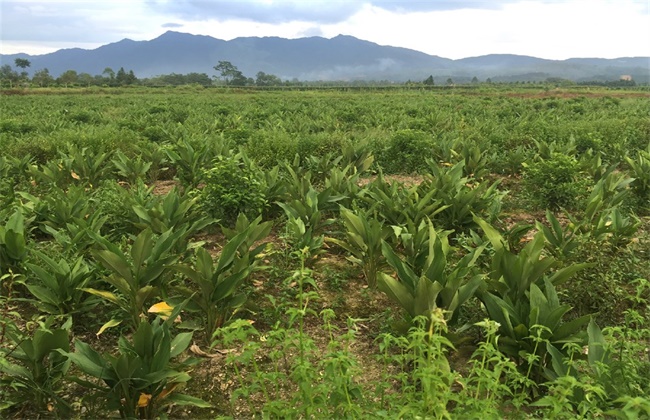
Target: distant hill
x,y
315,58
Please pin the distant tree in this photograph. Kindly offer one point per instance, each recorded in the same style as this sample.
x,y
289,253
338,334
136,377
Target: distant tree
x,y
198,78
474,80
263,79
8,76
130,78
85,79
230,74
558,81
23,63
450,82
109,76
428,81
120,76
69,77
488,80
42,78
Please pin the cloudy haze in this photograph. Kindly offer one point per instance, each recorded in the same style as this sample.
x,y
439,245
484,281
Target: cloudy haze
x,y
453,29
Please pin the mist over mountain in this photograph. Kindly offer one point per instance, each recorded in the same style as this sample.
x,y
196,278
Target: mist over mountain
x,y
315,58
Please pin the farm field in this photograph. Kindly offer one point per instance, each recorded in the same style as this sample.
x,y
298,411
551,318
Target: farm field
x,y
386,253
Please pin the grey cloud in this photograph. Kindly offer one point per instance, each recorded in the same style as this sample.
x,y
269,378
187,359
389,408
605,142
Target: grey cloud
x,y
258,11
436,5
444,5
171,25
317,11
54,22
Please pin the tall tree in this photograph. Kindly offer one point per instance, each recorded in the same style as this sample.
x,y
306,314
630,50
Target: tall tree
x,y
109,74
43,78
263,79
85,79
69,77
121,77
428,81
23,63
130,78
8,76
230,74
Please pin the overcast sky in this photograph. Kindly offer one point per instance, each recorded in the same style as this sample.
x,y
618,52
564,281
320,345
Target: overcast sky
x,y
554,29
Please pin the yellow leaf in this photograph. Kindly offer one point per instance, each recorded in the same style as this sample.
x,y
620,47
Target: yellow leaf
x,y
102,293
144,400
161,308
109,324
74,175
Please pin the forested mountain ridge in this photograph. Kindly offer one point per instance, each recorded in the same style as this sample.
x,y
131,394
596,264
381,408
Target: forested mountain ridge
x,y
316,58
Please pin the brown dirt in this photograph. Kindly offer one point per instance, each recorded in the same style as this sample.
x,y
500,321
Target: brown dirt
x,y
406,180
164,186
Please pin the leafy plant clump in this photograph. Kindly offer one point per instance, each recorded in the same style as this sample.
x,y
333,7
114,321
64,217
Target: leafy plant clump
x,y
233,186
555,182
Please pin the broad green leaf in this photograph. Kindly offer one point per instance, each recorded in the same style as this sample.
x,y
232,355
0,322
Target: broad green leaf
x,y
141,249
425,297
15,244
45,341
492,234
182,399
143,339
44,295
143,294
597,344
404,272
397,291
560,367
88,360
116,263
571,328
229,251
120,284
180,343
564,274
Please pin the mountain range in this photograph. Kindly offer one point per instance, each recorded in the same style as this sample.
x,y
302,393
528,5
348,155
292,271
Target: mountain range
x,y
316,58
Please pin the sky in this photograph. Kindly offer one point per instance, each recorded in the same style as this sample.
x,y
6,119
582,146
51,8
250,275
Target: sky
x,y
552,29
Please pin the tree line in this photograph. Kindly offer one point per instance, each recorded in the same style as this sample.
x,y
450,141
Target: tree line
x,y
42,78
228,75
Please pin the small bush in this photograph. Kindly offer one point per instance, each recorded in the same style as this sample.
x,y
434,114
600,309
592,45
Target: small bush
x,y
407,152
17,127
233,186
555,182
155,133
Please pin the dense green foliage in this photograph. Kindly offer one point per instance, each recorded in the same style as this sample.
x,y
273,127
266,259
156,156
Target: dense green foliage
x,y
392,253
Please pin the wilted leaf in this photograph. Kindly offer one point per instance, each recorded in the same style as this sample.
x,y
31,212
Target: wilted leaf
x,y
144,400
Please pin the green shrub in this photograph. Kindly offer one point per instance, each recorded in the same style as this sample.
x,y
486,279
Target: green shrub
x,y
555,182
406,152
271,148
115,203
16,127
233,186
